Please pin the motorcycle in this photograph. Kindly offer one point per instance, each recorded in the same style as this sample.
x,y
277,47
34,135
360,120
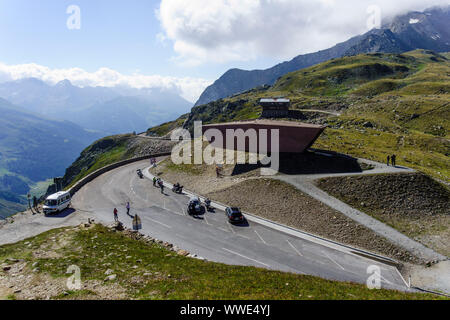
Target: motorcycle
x,y
178,189
140,174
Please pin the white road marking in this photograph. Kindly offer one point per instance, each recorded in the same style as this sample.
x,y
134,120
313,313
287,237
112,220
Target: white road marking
x,y
260,237
295,249
385,280
240,255
165,225
230,228
204,218
333,260
223,229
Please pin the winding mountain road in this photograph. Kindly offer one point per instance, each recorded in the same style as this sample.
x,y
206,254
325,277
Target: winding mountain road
x,y
211,237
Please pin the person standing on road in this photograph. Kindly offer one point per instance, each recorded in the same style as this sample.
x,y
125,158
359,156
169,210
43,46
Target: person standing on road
x,y
116,216
154,181
161,185
128,208
388,160
35,203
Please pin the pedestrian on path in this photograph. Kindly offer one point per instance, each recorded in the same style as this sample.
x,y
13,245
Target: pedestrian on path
x,y
154,181
388,160
128,208
394,160
116,216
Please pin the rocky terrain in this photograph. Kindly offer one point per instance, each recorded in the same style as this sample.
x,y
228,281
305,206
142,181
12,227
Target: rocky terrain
x,y
413,203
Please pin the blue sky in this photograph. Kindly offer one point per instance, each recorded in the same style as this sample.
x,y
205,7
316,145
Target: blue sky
x,y
181,44
121,35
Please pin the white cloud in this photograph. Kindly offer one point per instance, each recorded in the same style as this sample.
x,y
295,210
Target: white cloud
x,y
188,88
238,30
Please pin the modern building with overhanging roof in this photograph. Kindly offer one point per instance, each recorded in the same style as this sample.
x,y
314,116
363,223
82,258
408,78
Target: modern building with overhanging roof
x,y
294,137
275,108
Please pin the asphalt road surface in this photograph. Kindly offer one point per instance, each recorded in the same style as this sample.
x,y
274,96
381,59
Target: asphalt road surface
x,y
211,237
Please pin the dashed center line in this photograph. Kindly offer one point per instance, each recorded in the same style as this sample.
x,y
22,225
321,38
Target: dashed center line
x,y
295,249
245,257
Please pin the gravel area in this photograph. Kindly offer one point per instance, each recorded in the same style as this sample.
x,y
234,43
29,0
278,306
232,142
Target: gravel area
x,y
412,203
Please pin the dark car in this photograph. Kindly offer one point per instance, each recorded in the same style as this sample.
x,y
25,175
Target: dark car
x,y
234,215
194,206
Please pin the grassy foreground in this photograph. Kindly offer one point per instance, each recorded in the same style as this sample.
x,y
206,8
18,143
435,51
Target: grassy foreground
x,y
146,270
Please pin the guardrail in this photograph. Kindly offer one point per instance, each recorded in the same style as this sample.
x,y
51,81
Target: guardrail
x,y
78,185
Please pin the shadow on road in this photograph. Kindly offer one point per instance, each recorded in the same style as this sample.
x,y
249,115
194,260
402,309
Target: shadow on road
x,y
62,214
244,224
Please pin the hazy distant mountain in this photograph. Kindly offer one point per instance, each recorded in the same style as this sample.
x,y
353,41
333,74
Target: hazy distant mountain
x,y
107,110
127,114
33,149
416,30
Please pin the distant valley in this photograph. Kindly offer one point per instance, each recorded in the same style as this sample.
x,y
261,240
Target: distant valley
x,y
45,127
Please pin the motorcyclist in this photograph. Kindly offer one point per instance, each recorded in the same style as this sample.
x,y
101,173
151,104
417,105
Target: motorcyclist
x,y
177,188
191,208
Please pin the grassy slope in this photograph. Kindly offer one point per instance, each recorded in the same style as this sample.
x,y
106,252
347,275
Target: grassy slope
x,y
102,153
414,204
168,275
405,97
166,128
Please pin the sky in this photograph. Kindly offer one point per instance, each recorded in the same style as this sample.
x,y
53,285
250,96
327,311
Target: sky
x,y
182,45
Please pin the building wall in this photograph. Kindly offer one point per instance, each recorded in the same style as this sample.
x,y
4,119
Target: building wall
x,y
292,139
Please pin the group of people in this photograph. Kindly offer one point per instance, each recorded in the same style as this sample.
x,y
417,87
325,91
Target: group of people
x,y
392,159
157,182
116,212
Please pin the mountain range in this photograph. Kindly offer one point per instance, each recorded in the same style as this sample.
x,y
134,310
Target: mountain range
x,y
415,30
109,110
33,149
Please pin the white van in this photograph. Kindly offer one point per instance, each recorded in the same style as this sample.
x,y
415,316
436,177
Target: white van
x,y
57,202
